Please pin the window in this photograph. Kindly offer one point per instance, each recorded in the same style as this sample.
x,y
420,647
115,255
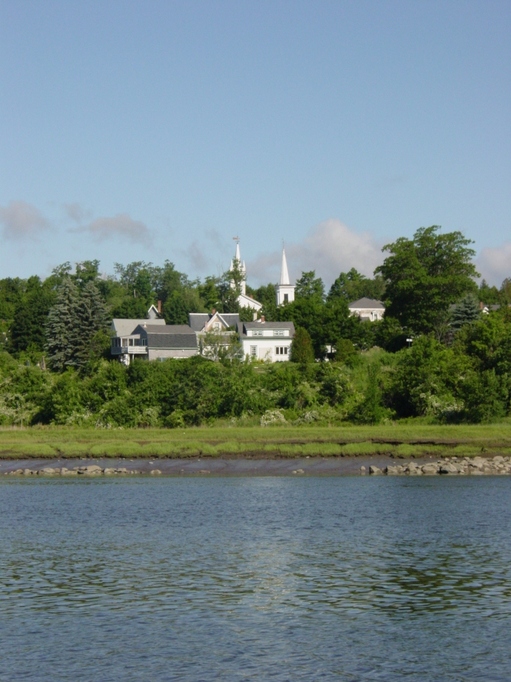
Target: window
x,y
257,332
281,350
253,351
279,332
286,298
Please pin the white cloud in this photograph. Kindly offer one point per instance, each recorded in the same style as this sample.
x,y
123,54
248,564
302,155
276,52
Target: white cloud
x,y
119,226
208,255
329,248
77,213
20,220
495,264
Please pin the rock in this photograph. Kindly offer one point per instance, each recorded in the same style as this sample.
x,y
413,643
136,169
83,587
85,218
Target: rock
x,y
375,471
430,468
48,471
90,470
393,470
155,472
298,471
448,469
68,472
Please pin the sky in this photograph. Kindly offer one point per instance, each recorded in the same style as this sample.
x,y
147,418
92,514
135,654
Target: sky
x,y
160,129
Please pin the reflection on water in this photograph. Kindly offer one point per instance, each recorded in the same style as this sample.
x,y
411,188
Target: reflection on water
x,y
255,578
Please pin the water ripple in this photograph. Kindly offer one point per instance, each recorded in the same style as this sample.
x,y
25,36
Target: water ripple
x,y
241,579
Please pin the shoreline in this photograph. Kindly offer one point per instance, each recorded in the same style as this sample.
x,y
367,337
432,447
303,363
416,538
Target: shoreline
x,y
242,466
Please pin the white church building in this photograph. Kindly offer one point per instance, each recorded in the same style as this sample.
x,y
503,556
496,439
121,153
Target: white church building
x,y
285,291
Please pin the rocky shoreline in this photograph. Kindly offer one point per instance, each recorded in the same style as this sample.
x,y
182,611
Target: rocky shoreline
x,y
461,466
313,466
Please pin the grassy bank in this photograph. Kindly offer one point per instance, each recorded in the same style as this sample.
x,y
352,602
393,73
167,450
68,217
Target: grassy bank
x,y
398,440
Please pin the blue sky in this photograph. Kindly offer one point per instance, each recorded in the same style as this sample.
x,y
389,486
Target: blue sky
x,y
160,130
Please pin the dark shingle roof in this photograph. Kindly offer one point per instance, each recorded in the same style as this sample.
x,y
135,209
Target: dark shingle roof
x,y
168,335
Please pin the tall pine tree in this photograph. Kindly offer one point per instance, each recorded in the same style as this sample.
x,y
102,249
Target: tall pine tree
x,y
72,323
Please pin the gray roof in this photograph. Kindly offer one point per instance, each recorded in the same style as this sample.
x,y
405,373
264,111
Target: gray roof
x,y
168,335
365,302
126,326
199,320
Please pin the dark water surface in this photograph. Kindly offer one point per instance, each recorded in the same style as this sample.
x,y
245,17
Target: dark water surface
x,y
252,578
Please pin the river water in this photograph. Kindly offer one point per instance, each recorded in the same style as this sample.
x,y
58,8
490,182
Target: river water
x,y
255,578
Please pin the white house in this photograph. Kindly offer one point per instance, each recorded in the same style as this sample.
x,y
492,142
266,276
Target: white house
x,y
270,341
367,309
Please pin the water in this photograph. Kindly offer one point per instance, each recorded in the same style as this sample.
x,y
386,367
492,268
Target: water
x,y
261,578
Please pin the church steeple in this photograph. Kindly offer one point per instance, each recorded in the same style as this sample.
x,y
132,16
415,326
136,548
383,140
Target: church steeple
x,y
237,262
284,274
285,290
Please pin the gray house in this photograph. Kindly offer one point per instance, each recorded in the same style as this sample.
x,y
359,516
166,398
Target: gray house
x,y
151,339
163,341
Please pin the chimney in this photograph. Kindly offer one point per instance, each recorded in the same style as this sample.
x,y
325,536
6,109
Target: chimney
x,y
159,307
263,319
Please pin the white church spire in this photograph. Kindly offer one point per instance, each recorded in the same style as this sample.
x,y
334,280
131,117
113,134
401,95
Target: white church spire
x,y
285,290
237,262
284,274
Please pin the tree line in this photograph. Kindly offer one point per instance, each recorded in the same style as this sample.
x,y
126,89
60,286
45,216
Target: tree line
x,y
436,355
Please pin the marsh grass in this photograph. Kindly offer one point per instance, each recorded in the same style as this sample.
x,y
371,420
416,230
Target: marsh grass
x,y
404,439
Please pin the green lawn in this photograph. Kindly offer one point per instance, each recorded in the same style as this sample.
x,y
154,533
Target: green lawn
x,y
401,440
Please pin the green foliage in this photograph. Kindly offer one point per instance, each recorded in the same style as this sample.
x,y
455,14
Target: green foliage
x,y
344,350
427,380
425,275
27,330
465,312
301,347
73,324
485,396
371,409
350,286
310,287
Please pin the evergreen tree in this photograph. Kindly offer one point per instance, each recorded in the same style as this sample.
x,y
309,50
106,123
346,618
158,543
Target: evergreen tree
x,y
72,324
28,326
301,348
465,312
61,338
91,317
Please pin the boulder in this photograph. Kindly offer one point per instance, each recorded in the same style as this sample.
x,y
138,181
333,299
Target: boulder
x,y
448,468
375,471
430,468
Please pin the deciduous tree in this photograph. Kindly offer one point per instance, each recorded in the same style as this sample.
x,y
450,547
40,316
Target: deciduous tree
x,y
425,275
